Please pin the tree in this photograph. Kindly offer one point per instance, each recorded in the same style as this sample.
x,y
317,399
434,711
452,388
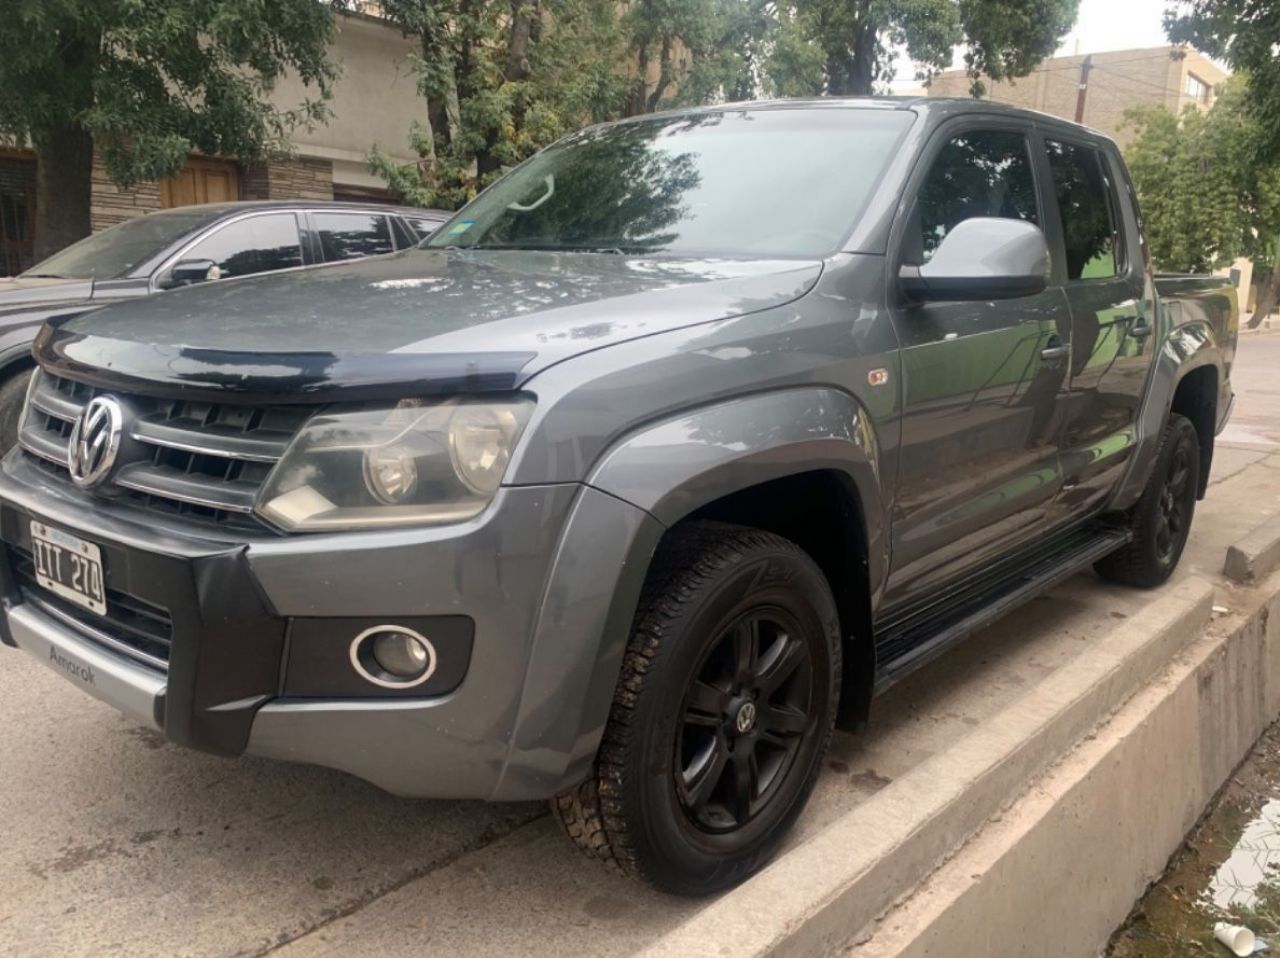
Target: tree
x,y
144,82
1245,34
846,47
1207,195
499,80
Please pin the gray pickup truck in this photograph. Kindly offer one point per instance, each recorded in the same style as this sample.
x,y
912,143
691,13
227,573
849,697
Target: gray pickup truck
x,y
652,467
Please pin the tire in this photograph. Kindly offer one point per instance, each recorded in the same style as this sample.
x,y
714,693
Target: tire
x,y
696,714
1161,520
13,392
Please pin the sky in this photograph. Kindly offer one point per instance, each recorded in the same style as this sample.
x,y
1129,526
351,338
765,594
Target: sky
x,y
1117,25
1101,26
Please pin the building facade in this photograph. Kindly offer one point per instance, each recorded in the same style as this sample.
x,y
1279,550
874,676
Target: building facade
x,y
375,101
1097,89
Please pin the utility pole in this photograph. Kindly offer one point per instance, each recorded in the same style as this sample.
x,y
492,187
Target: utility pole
x,y
1086,66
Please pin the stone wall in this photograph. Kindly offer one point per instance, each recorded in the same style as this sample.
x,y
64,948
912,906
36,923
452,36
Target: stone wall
x,y
111,205
302,178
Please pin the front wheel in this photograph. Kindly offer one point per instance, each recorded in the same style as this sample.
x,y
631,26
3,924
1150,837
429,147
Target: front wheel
x,y
721,716
1161,521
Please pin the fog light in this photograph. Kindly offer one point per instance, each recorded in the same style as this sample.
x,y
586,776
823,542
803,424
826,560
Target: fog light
x,y
393,657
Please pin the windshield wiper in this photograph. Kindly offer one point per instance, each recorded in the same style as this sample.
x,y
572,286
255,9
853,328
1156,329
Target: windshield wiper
x,y
46,276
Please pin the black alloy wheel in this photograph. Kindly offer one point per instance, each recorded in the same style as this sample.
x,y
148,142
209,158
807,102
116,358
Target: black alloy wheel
x,y
743,720
721,716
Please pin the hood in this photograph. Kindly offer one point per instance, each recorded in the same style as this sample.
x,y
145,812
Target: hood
x,y
24,292
419,322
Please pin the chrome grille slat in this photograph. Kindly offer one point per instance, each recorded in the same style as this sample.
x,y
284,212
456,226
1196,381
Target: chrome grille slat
x,y
199,460
222,445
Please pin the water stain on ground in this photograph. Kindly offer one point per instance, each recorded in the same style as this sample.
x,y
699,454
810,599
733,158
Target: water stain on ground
x,y
870,780
74,857
1227,869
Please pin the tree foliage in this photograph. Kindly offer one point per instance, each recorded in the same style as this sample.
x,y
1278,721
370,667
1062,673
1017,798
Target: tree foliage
x,y
502,78
144,82
1208,196
847,47
1245,34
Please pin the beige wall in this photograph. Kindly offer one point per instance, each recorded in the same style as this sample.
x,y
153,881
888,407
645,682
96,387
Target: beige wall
x,y
1119,80
374,101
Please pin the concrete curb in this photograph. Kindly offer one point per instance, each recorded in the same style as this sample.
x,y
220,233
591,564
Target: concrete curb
x,y
1060,871
822,895
1255,556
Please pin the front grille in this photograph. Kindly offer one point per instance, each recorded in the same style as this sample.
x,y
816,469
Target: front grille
x,y
131,627
198,459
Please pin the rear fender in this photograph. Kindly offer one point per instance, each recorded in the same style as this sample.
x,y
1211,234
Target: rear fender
x,y
1189,346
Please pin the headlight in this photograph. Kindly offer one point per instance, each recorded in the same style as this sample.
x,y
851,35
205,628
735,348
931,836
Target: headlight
x,y
416,463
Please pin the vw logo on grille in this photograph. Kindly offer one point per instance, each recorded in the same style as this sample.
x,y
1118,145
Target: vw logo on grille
x,y
95,441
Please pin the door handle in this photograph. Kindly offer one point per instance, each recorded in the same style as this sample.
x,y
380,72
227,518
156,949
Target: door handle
x,y
1052,354
1141,328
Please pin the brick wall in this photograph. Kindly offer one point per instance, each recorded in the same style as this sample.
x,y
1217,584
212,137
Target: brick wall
x,y
17,213
110,205
1119,81
293,179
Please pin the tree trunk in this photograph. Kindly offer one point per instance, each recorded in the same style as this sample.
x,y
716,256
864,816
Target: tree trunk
x,y
522,12
664,76
64,169
862,64
1269,296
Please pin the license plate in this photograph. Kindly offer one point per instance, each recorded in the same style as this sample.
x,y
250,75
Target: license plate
x,y
68,566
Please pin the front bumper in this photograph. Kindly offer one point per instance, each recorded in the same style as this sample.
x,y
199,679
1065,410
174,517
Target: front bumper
x,y
517,724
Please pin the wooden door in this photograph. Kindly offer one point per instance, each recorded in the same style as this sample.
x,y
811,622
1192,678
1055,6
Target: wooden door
x,y
202,180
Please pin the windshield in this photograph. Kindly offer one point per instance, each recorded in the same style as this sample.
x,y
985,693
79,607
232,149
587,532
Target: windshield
x,y
116,251
787,182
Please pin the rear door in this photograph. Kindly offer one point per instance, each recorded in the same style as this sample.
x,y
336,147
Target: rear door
x,y
984,382
1094,228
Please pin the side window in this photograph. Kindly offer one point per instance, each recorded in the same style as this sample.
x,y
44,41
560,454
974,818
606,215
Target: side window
x,y
1086,202
258,244
352,235
977,173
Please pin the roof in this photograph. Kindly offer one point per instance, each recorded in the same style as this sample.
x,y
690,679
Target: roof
x,y
924,105
215,210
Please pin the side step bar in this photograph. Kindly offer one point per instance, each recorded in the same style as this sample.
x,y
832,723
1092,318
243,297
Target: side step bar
x,y
908,641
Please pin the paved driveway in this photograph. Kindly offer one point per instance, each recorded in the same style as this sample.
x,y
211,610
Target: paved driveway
x,y
114,842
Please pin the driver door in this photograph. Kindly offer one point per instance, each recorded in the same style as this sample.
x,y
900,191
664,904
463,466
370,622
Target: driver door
x,y
984,382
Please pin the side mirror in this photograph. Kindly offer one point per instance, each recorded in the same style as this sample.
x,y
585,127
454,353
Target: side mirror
x,y
982,258
188,272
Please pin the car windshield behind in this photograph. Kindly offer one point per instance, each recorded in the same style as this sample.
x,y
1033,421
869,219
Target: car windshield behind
x,y
770,182
115,252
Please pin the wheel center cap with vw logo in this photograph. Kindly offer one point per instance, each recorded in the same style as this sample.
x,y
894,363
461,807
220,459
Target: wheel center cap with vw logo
x,y
746,718
95,441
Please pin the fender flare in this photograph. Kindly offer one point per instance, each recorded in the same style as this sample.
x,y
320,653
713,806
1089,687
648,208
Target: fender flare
x,y
1189,347
675,467
647,482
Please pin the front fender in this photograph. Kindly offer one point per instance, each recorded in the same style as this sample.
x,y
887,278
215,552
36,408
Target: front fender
x,y
647,482
675,467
